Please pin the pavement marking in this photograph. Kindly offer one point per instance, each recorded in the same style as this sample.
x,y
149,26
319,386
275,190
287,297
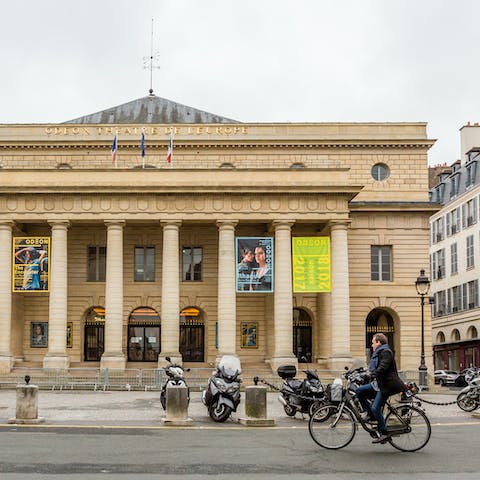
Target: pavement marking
x,y
11,426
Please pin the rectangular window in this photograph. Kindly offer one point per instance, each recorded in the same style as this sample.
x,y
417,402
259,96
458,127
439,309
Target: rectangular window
x,y
192,264
144,264
472,211
473,294
470,252
453,258
438,264
96,263
381,263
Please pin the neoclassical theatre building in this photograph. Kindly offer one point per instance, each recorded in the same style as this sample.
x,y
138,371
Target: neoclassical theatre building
x,y
111,258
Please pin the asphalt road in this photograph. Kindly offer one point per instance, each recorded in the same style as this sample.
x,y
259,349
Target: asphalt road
x,y
59,452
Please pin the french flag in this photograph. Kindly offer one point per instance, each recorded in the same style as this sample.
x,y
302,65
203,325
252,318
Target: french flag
x,y
170,149
114,150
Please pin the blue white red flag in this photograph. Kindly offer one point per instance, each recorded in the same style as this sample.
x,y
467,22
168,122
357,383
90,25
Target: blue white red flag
x,y
114,150
170,148
142,144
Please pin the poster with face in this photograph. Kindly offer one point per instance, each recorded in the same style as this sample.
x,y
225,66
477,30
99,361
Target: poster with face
x,y
254,269
31,264
39,334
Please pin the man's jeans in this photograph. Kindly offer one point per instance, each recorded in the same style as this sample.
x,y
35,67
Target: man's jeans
x,y
365,392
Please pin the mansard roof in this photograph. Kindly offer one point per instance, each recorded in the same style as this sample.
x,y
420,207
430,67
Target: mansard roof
x,y
151,109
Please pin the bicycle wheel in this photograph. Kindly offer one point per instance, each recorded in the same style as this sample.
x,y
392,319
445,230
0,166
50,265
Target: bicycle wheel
x,y
331,427
466,403
415,422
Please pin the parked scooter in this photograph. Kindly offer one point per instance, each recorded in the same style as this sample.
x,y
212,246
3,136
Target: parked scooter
x,y
469,398
302,396
175,376
222,394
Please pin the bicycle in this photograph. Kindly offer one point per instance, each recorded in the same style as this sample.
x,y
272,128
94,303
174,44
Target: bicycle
x,y
334,426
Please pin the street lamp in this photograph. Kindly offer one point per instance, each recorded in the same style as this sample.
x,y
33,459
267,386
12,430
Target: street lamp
x,y
423,286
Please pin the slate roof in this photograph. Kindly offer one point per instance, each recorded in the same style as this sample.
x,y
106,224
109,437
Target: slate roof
x,y
152,109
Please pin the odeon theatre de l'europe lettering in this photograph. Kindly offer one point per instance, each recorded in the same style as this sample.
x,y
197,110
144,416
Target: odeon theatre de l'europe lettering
x,y
275,242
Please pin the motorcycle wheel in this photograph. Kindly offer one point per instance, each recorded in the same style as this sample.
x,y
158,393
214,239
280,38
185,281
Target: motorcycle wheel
x,y
466,403
289,410
219,413
314,406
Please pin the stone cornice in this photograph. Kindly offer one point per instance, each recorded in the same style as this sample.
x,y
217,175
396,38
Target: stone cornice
x,y
394,206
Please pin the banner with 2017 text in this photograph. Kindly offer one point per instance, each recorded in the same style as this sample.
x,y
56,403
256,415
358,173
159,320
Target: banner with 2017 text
x,y
311,264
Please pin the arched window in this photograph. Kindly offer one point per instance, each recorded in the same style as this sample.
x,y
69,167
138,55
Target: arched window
x,y
143,335
455,335
440,337
379,321
227,166
380,172
472,332
297,166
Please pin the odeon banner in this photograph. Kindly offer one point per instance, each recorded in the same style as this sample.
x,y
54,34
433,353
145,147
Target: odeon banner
x,y
311,264
31,257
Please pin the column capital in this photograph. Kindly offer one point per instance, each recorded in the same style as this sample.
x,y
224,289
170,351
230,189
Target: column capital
x,y
280,224
9,224
59,223
173,223
339,224
226,223
115,223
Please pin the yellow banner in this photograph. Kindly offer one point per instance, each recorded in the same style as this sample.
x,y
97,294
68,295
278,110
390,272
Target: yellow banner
x,y
311,264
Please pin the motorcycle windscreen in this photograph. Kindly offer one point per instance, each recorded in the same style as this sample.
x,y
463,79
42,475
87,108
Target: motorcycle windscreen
x,y
230,365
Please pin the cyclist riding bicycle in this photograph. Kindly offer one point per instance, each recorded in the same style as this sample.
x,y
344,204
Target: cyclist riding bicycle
x,y
384,383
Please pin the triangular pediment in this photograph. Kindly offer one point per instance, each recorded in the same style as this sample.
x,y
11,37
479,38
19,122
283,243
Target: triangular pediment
x,y
151,109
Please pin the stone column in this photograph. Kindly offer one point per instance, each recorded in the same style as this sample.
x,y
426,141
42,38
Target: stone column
x,y
340,297
113,356
283,297
57,310
170,293
6,358
227,297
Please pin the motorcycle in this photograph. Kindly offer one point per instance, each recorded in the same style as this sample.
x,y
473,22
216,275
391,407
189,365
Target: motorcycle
x,y
469,398
176,377
222,395
303,396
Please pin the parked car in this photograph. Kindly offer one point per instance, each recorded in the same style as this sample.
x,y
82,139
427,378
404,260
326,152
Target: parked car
x,y
445,377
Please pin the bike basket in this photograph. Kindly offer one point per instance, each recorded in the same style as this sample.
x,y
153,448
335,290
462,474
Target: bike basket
x,y
335,392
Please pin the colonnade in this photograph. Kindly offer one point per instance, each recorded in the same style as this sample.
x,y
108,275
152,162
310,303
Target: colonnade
x,y
113,356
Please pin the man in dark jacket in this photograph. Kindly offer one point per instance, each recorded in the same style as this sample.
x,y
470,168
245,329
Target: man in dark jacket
x,y
384,382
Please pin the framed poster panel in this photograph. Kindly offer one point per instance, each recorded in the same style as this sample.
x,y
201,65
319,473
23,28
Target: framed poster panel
x,y
249,334
69,334
31,257
254,269
39,334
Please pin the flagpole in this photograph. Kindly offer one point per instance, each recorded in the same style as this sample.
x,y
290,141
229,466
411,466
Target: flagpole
x,y
143,148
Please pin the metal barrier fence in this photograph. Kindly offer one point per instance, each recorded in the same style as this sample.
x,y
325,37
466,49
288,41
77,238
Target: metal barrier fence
x,y
141,379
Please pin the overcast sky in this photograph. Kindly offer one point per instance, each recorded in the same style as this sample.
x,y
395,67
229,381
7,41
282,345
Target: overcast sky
x,y
250,60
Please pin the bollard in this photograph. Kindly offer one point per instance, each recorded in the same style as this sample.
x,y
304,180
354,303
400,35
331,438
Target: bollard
x,y
177,407
27,405
256,408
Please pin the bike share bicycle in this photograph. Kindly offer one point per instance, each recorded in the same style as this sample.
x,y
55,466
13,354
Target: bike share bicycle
x,y
334,426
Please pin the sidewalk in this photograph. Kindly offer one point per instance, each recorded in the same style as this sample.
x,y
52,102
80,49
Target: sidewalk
x,y
142,409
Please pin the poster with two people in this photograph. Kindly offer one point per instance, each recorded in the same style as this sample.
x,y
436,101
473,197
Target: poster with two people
x,y
254,264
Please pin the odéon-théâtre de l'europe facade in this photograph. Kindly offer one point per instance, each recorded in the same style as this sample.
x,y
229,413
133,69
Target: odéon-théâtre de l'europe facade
x,y
275,242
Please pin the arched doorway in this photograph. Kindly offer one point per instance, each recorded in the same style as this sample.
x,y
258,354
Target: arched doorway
x,y
143,335
94,337
192,335
379,321
302,335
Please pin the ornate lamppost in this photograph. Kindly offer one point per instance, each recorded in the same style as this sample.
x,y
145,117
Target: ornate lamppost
x,y
423,286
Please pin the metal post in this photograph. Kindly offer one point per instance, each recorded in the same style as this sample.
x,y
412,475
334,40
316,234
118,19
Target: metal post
x,y
422,369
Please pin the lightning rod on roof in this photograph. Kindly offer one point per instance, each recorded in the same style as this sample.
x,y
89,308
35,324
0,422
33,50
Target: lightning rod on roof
x,y
150,62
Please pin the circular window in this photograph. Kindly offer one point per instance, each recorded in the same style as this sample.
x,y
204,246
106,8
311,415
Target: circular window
x,y
380,172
